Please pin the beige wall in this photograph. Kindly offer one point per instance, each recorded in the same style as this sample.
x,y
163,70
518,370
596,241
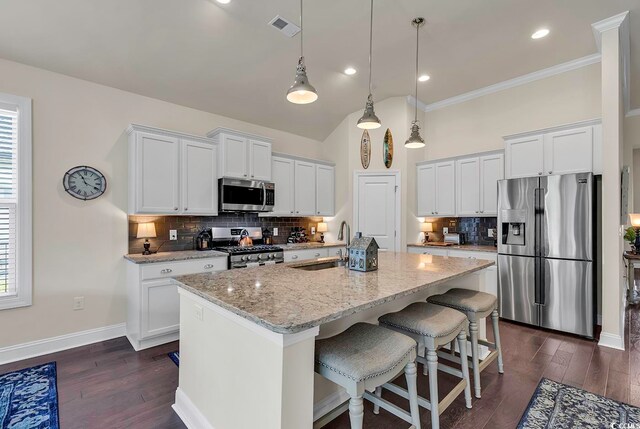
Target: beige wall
x,y
78,246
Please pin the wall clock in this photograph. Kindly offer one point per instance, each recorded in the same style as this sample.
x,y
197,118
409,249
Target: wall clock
x,y
84,183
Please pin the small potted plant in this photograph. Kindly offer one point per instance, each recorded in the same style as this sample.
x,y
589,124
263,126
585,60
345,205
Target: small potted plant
x,y
630,236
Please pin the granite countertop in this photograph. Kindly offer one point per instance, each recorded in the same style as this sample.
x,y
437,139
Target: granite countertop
x,y
275,297
469,247
309,245
182,255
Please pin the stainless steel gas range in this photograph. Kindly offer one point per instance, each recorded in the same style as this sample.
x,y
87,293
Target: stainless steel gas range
x,y
228,240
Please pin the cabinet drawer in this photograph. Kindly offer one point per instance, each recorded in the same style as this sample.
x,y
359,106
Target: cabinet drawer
x,y
473,255
427,251
178,268
301,255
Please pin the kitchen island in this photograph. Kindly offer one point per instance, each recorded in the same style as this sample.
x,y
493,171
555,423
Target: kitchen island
x,y
247,336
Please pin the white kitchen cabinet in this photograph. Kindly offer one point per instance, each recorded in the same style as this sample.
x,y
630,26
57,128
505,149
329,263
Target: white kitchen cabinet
x,y
283,173
153,304
304,254
305,188
573,148
491,170
199,178
242,155
426,188
436,189
325,190
428,251
171,173
468,186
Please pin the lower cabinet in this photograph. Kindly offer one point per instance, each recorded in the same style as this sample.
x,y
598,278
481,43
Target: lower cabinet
x,y
301,255
153,304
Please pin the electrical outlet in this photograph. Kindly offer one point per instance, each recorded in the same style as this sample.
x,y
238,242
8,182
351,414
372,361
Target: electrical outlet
x,y
173,234
78,303
275,232
198,312
313,230
491,232
445,230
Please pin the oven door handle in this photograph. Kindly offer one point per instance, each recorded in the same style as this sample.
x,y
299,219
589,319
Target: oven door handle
x,y
264,196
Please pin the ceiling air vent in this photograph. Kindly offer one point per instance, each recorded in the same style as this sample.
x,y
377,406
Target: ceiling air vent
x,y
283,25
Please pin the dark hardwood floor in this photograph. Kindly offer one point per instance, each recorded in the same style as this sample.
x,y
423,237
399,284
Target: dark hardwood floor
x,y
109,385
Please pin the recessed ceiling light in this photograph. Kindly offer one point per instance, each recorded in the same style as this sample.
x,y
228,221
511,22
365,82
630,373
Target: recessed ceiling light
x,y
540,33
224,1
424,78
350,71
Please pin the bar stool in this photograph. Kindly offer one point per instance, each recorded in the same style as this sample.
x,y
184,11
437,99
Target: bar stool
x,y
475,305
432,326
364,357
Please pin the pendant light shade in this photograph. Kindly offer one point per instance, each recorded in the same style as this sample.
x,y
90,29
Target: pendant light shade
x,y
415,141
369,120
301,92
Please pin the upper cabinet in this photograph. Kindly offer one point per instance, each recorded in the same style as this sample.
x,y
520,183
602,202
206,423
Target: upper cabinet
x,y
575,148
325,190
491,170
242,155
171,173
436,189
305,188
283,175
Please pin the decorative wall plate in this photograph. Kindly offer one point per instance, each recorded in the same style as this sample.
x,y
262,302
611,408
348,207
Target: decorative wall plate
x,y
365,149
387,149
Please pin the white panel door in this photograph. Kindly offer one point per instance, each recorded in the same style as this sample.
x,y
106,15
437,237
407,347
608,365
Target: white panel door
x,y
445,189
199,178
325,190
157,178
282,174
234,157
377,209
260,160
160,308
491,170
426,188
468,186
305,188
569,151
524,157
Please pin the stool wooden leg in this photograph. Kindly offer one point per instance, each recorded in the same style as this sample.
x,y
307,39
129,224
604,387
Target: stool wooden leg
x,y
464,363
496,336
452,347
411,373
376,407
425,368
473,331
432,362
356,412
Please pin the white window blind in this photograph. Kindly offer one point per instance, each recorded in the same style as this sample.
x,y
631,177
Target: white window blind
x,y
8,200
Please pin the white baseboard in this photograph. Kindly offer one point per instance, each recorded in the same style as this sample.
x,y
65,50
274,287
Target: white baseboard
x,y
62,342
611,340
188,413
329,403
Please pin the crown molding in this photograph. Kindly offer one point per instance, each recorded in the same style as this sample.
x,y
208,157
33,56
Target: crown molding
x,y
608,24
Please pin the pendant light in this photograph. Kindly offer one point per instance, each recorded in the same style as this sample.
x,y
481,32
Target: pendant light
x,y
301,92
369,120
415,141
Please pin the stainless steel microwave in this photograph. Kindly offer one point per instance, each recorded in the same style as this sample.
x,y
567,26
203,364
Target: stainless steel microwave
x,y
240,195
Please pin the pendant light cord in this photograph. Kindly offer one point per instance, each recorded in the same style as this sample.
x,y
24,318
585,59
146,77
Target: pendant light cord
x,y
370,45
301,32
417,56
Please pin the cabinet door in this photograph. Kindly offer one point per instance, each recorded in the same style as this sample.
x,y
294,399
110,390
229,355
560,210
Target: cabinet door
x,y
491,170
156,176
426,188
283,176
305,188
569,151
199,178
325,190
445,189
468,186
260,160
160,308
234,156
525,157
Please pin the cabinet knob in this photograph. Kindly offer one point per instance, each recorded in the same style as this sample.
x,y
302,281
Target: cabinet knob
x,y
185,209
208,266
297,211
317,255
477,211
245,175
540,174
291,211
550,172
166,271
175,208
252,175
294,257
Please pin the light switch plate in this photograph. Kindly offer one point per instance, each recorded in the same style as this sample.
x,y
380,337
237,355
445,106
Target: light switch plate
x,y
173,234
491,232
445,230
275,232
78,302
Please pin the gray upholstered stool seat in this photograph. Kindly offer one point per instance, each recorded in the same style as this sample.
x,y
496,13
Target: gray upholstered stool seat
x,y
466,300
355,353
476,305
432,326
426,319
364,357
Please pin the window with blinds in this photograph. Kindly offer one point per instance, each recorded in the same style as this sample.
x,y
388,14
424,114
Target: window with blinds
x,y
8,200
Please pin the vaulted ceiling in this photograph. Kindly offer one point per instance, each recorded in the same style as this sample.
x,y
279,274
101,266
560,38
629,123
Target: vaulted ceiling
x,y
226,59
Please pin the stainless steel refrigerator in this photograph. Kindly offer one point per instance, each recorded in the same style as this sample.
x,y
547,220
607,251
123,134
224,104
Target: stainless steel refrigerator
x,y
545,252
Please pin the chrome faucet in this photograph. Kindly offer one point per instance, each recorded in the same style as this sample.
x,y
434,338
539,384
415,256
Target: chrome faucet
x,y
341,237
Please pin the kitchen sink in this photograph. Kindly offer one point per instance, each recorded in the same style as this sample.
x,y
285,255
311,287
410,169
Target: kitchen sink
x,y
323,265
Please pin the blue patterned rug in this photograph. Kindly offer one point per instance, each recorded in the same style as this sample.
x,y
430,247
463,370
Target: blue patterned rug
x,y
29,398
175,357
558,406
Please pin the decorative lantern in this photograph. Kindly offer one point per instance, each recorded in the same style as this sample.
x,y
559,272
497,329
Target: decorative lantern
x,y
363,254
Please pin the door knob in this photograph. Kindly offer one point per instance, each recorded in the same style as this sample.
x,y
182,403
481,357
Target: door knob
x,y
550,172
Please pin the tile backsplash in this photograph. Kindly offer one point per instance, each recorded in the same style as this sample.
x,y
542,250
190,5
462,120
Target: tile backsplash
x,y
188,228
475,228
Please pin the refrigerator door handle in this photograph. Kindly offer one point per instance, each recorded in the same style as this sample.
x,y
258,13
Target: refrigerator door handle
x,y
543,282
537,222
536,282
